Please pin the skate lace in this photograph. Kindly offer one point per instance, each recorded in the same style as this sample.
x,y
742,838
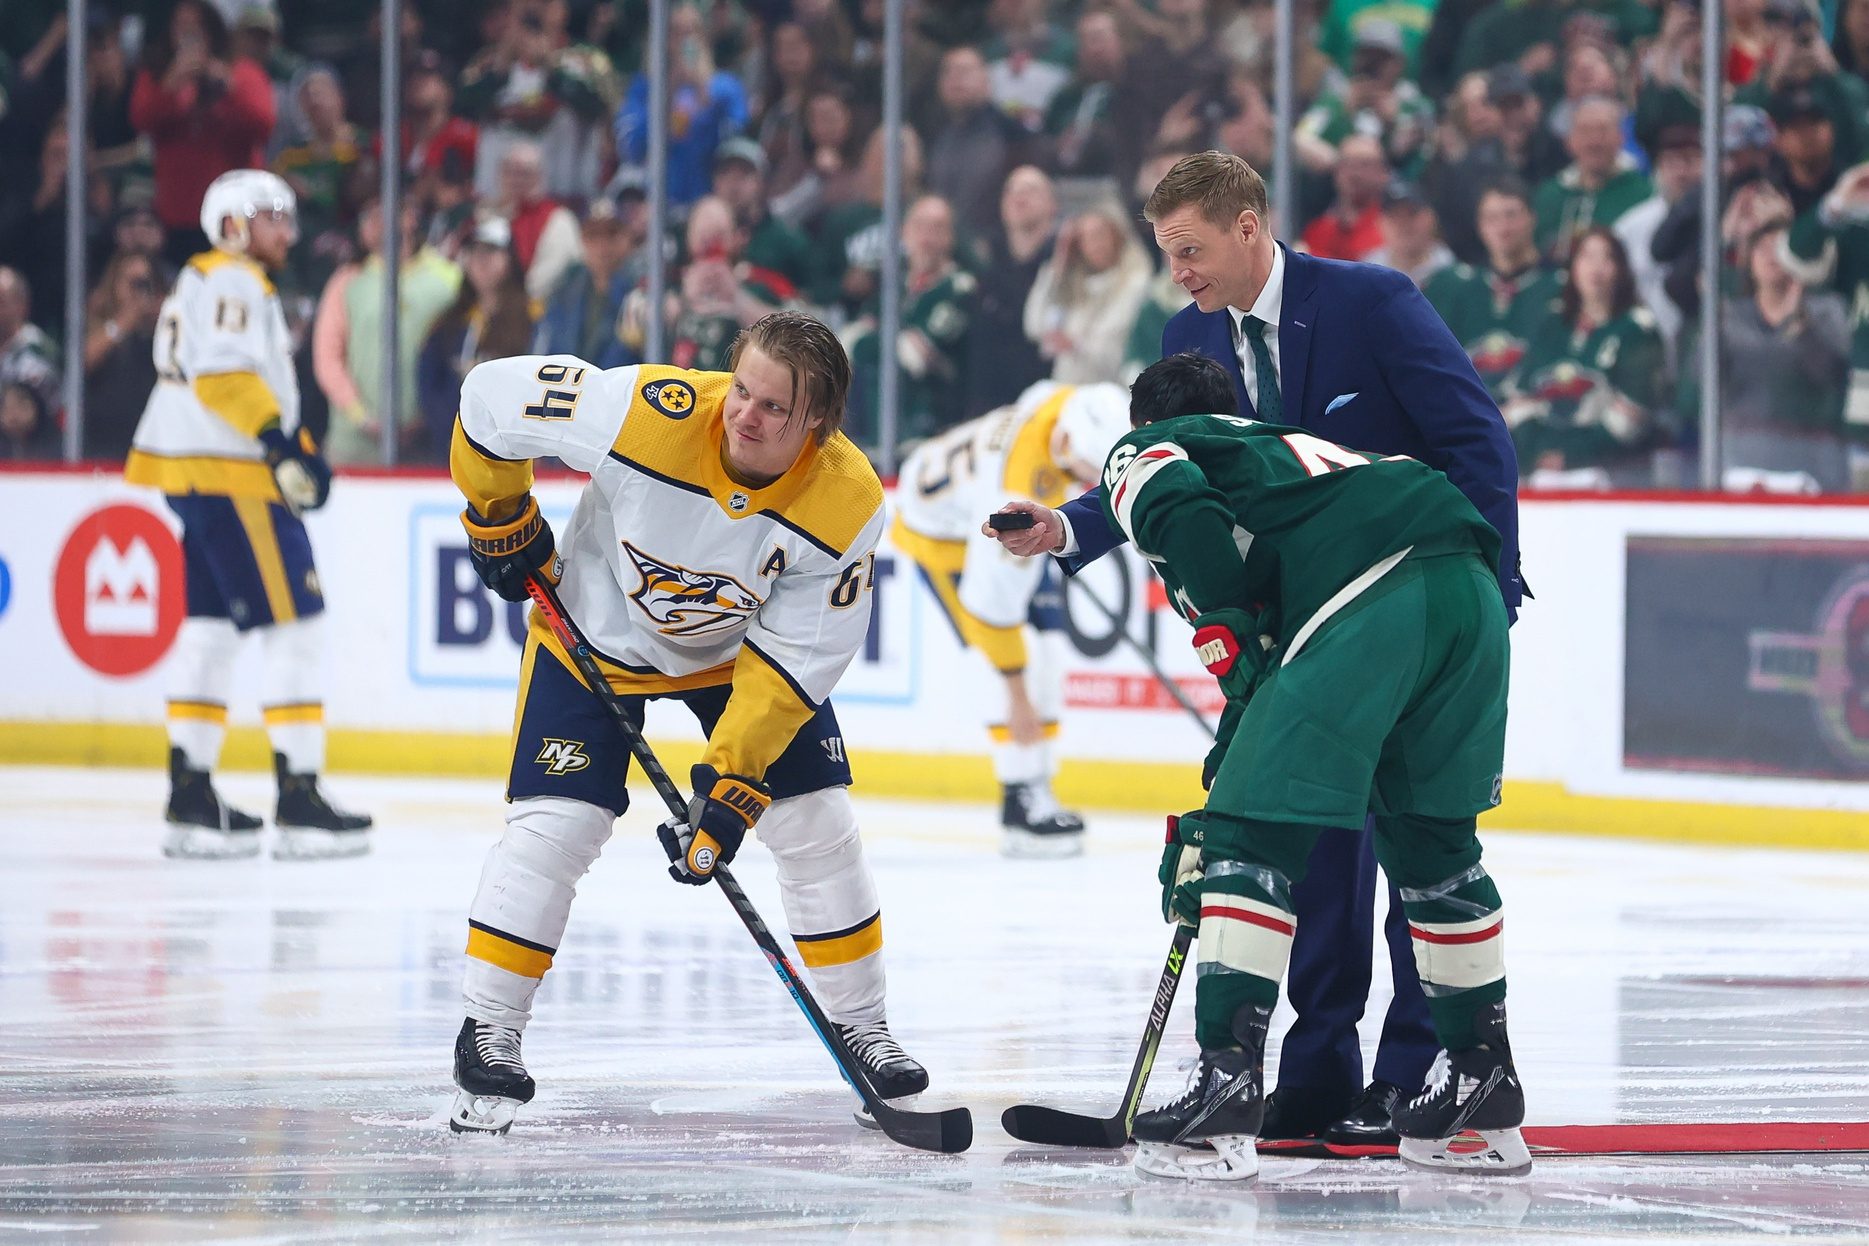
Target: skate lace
x,y
874,1045
1439,1074
498,1046
1040,804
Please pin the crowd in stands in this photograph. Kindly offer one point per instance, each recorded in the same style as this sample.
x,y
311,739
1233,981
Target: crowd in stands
x,y
1533,165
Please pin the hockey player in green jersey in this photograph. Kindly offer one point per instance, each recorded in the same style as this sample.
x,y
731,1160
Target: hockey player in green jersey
x,y
1349,608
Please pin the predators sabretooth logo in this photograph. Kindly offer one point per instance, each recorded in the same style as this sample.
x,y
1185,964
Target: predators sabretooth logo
x,y
688,603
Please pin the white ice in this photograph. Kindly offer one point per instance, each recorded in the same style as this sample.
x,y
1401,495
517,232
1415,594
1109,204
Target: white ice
x,y
259,1051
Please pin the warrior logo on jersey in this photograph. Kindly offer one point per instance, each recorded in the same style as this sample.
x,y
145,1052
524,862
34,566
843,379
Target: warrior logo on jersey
x,y
688,603
675,399
561,757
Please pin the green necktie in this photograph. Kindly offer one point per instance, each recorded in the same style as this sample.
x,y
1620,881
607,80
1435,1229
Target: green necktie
x,y
1268,405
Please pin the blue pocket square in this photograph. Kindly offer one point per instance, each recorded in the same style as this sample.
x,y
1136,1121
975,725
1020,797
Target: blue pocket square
x,y
1339,400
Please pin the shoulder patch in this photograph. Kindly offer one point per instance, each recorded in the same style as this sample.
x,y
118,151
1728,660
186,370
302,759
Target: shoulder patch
x,y
671,396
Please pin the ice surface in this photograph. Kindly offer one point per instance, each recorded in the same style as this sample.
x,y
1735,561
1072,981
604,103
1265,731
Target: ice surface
x,y
258,1051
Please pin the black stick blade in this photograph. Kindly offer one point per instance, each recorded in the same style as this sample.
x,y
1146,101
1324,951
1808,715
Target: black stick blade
x,y
947,1132
1029,1122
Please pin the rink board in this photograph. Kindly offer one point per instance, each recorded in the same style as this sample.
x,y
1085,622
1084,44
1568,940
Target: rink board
x,y
422,661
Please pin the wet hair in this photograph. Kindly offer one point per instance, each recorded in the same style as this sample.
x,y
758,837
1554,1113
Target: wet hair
x,y
1183,384
820,368
1219,185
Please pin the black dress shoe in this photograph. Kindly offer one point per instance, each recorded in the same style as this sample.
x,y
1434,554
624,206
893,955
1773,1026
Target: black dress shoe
x,y
1366,1128
1294,1121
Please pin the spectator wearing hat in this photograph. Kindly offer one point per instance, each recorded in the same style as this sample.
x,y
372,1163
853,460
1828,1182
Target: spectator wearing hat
x,y
323,171
1375,100
205,110
1492,307
1346,20
771,244
585,316
707,106
1584,396
436,145
1411,238
1805,146
931,347
348,338
1784,377
1799,61
136,231
1352,226
254,31
1599,185
1828,248
973,145
29,377
1495,130
1746,162
545,233
1677,176
1002,361
490,318
1080,123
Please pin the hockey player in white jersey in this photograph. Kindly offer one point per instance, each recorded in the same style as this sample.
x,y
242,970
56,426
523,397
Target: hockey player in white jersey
x,y
220,437
1009,611
722,555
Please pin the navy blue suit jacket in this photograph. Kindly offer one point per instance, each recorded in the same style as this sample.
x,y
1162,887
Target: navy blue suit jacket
x,y
1366,362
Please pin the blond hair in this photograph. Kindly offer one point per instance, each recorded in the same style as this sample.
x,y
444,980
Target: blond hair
x,y
1217,184
820,368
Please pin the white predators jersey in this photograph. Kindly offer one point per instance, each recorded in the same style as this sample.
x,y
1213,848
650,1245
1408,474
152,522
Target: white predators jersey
x,y
952,482
222,323
678,576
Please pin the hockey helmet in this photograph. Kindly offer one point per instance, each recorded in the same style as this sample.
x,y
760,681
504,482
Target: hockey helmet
x,y
235,198
1095,417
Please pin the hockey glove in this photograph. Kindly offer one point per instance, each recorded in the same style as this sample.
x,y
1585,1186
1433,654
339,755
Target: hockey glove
x,y
506,553
724,808
1180,873
304,478
1232,645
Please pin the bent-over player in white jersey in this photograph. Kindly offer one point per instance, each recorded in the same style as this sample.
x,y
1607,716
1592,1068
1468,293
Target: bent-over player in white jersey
x,y
722,555
1009,611
220,437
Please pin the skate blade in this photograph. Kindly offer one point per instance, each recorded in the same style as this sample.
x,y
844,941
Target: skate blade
x,y
863,1117
1225,1157
198,843
481,1114
1485,1152
1022,845
314,844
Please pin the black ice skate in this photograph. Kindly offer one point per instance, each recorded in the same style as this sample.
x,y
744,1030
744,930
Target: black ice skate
x,y
1471,1092
309,826
898,1079
1033,824
492,1078
206,827
1208,1133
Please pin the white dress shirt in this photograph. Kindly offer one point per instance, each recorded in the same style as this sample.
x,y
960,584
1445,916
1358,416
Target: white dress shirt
x,y
1265,307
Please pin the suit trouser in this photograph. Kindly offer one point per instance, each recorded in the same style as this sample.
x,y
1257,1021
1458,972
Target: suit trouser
x,y
1332,956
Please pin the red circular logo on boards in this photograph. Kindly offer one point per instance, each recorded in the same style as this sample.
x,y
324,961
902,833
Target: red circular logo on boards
x,y
118,590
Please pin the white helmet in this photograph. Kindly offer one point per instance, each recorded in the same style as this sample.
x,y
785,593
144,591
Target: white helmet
x,y
1094,419
237,197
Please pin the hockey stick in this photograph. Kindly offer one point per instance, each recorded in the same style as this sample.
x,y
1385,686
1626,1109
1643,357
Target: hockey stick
x,y
1029,1122
1148,659
946,1131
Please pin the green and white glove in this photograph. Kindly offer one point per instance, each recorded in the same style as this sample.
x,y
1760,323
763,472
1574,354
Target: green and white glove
x,y
1180,873
1236,648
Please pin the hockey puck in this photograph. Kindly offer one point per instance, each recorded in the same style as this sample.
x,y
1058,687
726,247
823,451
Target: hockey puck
x,y
1010,521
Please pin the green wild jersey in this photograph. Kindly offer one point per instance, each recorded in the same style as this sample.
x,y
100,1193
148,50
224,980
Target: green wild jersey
x,y
1236,513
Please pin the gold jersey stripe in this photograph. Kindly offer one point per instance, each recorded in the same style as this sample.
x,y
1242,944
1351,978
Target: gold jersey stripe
x,y
240,398
264,541
841,947
302,712
198,711
201,473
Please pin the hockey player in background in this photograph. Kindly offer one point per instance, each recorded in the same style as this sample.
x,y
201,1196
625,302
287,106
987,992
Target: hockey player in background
x,y
1349,607
722,556
220,438
1052,441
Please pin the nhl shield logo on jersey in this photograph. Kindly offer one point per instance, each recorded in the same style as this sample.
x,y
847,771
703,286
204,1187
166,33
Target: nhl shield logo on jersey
x,y
688,603
672,398
563,756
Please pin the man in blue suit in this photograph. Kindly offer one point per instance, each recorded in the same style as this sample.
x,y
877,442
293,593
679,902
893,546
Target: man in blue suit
x,y
1354,353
